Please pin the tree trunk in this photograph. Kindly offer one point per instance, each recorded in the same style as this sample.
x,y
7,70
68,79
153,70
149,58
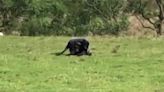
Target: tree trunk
x,y
159,32
159,28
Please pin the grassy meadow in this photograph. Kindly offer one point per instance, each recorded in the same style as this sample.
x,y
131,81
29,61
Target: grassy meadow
x,y
28,64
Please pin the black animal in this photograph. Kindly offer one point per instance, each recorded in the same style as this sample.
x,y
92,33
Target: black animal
x,y
77,47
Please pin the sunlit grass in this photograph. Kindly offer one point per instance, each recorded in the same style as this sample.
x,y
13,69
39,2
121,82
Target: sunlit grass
x,y
27,64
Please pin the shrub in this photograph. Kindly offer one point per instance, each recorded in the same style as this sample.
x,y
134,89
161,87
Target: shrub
x,y
35,27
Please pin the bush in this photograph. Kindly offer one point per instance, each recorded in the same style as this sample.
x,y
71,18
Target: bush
x,y
118,26
96,25
43,26
100,27
35,27
63,17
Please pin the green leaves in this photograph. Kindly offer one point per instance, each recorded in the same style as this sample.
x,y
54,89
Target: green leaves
x,y
63,15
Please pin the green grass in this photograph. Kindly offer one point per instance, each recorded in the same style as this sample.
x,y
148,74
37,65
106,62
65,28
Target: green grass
x,y
27,64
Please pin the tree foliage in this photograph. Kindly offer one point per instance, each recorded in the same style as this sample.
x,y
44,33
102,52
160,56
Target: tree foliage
x,y
150,10
63,17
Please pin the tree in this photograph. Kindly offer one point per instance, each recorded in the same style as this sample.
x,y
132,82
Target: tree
x,y
10,10
108,15
154,15
63,17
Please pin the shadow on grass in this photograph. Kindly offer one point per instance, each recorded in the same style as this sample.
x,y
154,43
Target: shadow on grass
x,y
58,54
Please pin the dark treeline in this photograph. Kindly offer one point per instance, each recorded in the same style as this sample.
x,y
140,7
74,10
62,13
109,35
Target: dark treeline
x,y
76,17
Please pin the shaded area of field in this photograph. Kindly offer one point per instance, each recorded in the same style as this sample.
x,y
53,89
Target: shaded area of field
x,y
28,65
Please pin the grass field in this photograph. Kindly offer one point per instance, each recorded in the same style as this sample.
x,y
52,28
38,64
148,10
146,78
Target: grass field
x,y
27,64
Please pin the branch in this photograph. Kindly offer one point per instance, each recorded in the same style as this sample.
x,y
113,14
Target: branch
x,y
148,19
143,23
161,9
142,13
98,10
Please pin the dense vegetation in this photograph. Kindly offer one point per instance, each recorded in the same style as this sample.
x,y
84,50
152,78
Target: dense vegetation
x,y
74,17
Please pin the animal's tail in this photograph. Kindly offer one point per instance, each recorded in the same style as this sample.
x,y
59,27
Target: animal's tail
x,y
60,53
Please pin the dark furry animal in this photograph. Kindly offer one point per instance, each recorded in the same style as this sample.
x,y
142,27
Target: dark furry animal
x,y
77,47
